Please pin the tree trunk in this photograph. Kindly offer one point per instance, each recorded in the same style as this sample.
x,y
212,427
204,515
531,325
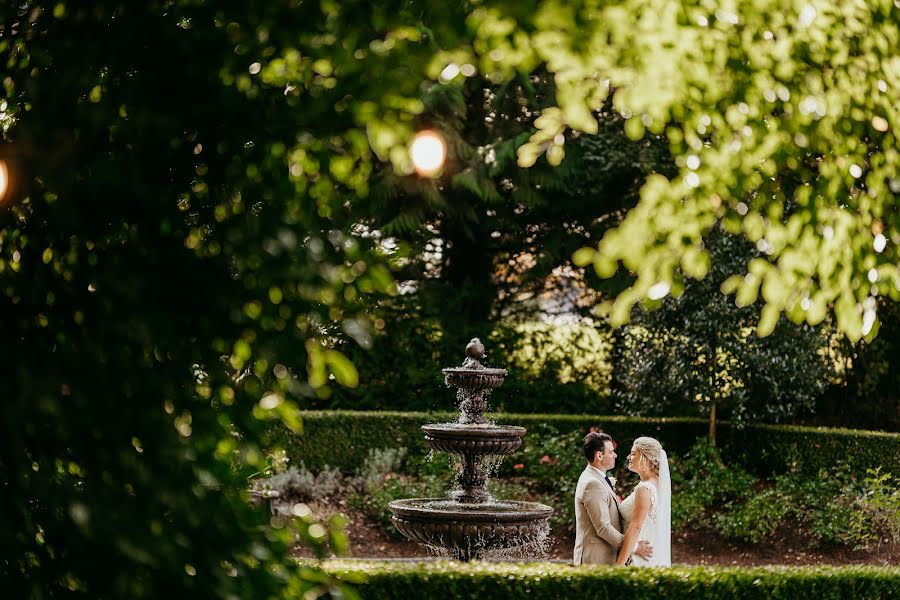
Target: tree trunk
x,y
468,292
712,422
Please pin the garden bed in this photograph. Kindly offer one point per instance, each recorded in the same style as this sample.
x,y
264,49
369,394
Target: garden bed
x,y
698,547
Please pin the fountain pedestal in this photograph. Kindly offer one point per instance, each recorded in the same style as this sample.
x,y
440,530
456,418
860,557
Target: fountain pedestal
x,y
468,523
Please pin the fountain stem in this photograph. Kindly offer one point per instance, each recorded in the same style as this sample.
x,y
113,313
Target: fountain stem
x,y
472,406
472,479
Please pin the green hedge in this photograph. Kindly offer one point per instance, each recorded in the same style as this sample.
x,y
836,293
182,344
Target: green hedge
x,y
766,449
504,580
344,439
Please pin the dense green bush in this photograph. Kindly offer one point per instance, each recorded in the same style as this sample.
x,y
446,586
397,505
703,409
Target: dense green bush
x,y
565,366
883,499
344,439
505,580
832,507
702,480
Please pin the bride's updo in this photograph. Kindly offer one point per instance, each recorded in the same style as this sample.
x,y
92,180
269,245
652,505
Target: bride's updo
x,y
651,451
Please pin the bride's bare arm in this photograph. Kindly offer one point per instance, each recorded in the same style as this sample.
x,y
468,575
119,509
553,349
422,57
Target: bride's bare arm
x,y
642,503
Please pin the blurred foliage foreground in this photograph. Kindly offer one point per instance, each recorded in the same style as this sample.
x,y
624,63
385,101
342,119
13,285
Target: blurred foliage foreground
x,y
505,580
176,254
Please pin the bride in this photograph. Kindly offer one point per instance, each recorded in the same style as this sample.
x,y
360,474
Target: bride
x,y
647,512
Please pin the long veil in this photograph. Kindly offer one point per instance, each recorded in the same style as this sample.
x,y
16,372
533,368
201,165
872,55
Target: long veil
x,y
662,544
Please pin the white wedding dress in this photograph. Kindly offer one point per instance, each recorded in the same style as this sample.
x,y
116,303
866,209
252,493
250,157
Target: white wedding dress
x,y
657,527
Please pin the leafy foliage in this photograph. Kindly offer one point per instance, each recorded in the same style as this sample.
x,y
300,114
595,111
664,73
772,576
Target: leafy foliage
x,y
485,241
176,260
883,499
185,178
402,371
505,580
701,349
831,507
781,120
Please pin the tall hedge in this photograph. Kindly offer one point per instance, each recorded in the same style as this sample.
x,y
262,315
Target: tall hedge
x,y
766,449
343,439
552,581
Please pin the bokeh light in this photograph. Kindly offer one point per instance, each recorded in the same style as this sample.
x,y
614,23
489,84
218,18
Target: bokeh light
x,y
428,151
659,290
4,180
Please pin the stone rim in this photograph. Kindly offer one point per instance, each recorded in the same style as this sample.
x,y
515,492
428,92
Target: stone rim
x,y
411,509
474,379
456,431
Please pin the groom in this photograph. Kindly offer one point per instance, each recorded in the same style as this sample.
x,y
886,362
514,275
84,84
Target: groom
x,y
598,525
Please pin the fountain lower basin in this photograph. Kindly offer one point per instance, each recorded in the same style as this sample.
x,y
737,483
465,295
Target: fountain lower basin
x,y
471,530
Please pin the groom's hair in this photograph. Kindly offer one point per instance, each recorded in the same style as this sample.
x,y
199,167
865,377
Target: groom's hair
x,y
595,442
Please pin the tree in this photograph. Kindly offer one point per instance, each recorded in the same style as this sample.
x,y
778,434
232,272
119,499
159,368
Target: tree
x,y
480,247
485,240
868,395
175,262
702,349
748,97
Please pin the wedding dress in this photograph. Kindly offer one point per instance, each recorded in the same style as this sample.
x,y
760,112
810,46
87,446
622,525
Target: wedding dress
x,y
657,527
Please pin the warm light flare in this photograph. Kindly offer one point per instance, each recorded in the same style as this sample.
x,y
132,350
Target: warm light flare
x,y
4,179
428,152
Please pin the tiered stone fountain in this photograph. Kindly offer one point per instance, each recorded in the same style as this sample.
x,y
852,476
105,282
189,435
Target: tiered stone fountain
x,y
468,523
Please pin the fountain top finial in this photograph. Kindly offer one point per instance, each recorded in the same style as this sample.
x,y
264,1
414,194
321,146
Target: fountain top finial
x,y
475,349
473,375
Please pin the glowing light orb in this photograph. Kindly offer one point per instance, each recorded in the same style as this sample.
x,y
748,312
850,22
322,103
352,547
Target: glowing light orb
x,y
659,290
428,152
4,179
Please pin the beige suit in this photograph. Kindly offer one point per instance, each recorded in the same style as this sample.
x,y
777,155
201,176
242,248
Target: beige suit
x,y
598,524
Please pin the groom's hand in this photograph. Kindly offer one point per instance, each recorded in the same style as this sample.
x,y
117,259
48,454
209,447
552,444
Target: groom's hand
x,y
644,549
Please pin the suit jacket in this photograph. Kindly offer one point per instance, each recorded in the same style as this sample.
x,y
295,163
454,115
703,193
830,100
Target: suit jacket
x,y
598,524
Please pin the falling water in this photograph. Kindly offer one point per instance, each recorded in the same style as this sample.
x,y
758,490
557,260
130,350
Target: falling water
x,y
469,523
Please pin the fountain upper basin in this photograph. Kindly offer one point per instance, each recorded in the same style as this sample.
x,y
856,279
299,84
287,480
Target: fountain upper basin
x,y
480,440
474,379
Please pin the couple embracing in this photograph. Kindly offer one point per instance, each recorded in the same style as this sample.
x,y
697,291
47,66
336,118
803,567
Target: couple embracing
x,y
636,531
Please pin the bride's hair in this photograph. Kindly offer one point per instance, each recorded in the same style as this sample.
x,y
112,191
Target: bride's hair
x,y
651,451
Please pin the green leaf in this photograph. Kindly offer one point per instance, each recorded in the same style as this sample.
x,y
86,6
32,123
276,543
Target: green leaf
x,y
634,128
604,266
768,319
748,291
584,256
344,371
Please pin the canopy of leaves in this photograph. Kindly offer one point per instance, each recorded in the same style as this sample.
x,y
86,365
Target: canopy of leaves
x,y
749,95
487,229
487,243
175,261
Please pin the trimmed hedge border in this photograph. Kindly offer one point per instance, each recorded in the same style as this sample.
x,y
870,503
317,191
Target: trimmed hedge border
x,y
447,579
343,439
